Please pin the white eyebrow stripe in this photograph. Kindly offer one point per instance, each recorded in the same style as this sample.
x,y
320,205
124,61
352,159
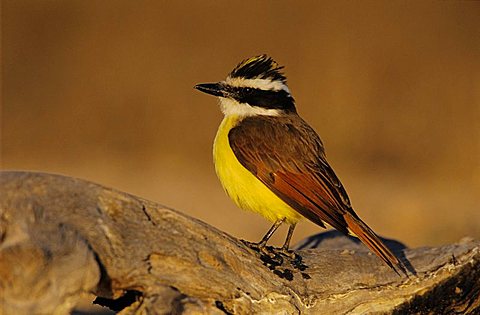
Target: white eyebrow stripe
x,y
263,84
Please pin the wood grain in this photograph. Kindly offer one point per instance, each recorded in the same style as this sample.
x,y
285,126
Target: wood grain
x,y
61,238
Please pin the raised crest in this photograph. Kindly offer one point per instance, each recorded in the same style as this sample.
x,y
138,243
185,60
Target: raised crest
x,y
259,67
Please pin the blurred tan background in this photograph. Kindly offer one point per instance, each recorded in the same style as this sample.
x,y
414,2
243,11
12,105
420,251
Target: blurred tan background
x,y
103,90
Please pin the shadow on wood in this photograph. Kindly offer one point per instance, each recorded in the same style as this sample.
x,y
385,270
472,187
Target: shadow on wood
x,y
61,238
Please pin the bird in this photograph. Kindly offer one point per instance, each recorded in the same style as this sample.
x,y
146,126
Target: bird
x,y
270,161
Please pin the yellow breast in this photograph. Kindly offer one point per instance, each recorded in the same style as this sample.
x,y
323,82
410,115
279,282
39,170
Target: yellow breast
x,y
243,187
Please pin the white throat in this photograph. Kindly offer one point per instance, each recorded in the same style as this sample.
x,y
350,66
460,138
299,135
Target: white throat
x,y
231,107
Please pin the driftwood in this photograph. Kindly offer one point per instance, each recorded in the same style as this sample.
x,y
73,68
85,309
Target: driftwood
x,y
62,237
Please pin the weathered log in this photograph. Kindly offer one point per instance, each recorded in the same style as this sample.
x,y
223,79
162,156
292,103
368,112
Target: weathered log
x,y
62,237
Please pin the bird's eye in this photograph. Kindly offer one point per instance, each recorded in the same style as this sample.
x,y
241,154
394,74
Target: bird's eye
x,y
248,90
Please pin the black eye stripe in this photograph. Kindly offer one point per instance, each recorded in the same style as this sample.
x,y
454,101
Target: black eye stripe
x,y
268,99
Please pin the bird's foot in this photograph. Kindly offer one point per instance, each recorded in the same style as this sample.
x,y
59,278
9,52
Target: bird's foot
x,y
255,246
288,253
274,255
274,258
259,247
267,253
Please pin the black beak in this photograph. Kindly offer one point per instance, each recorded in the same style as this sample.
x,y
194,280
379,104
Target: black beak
x,y
216,89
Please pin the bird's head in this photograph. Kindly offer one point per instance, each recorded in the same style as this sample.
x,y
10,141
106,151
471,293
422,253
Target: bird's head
x,y
256,86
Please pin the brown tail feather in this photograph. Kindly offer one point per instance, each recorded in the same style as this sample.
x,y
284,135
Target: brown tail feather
x,y
373,242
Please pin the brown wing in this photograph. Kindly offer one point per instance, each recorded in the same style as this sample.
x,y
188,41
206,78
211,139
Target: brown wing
x,y
287,155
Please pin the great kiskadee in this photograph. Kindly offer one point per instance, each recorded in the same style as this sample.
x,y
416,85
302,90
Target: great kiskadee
x,y
270,161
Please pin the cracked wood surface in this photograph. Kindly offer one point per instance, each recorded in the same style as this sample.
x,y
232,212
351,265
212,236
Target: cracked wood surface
x,y
62,237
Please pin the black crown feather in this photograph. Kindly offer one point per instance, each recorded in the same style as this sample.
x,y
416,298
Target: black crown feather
x,y
259,67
